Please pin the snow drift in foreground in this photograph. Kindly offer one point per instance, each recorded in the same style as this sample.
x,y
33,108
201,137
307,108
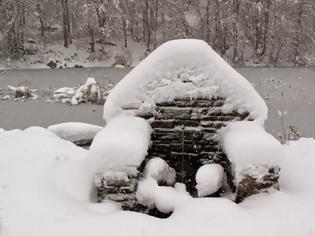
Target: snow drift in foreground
x,y
184,67
75,131
46,185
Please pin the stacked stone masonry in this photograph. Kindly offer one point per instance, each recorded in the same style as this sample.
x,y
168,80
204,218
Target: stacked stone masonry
x,y
185,136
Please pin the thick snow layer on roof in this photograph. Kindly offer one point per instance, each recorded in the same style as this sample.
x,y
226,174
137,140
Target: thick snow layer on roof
x,y
45,183
196,70
121,144
75,131
247,143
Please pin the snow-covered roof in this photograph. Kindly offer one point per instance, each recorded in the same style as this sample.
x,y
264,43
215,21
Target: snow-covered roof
x,y
165,72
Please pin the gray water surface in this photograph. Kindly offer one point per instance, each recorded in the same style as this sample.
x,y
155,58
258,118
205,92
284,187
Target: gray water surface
x,y
290,90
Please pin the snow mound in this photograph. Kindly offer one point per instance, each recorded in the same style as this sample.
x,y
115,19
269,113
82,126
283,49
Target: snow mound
x,y
75,131
159,170
247,143
194,69
40,176
123,143
164,198
209,179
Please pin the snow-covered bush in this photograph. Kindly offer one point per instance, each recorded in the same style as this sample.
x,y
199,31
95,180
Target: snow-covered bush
x,y
122,60
89,92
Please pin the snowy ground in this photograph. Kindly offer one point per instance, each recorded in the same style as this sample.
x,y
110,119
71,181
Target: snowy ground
x,y
46,191
289,90
78,54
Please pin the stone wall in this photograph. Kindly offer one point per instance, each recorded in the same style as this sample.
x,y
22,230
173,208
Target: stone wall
x,y
185,136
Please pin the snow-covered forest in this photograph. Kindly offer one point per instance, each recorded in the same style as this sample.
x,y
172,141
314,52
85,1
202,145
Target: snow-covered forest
x,y
244,32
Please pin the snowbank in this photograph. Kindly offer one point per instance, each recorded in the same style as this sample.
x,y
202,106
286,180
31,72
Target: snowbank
x,y
123,143
209,179
195,69
45,184
247,143
40,175
75,131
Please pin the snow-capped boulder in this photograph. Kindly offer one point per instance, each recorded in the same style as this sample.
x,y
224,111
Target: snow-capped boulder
x,y
247,143
122,144
256,157
209,179
77,132
20,91
116,153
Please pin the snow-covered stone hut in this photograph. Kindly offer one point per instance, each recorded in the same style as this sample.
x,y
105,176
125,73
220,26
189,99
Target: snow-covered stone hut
x,y
172,107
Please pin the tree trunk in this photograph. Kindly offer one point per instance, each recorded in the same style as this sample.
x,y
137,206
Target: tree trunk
x,y
41,20
156,22
208,22
15,36
125,32
92,43
266,27
236,6
65,23
299,29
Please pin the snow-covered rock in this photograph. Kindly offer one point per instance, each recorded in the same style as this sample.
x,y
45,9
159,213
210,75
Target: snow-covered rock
x,y
123,143
184,68
247,143
256,157
65,91
75,131
20,91
209,179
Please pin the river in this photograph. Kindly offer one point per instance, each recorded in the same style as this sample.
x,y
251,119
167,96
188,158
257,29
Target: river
x,y
289,90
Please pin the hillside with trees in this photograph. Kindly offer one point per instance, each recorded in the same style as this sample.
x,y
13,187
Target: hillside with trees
x,y
245,32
